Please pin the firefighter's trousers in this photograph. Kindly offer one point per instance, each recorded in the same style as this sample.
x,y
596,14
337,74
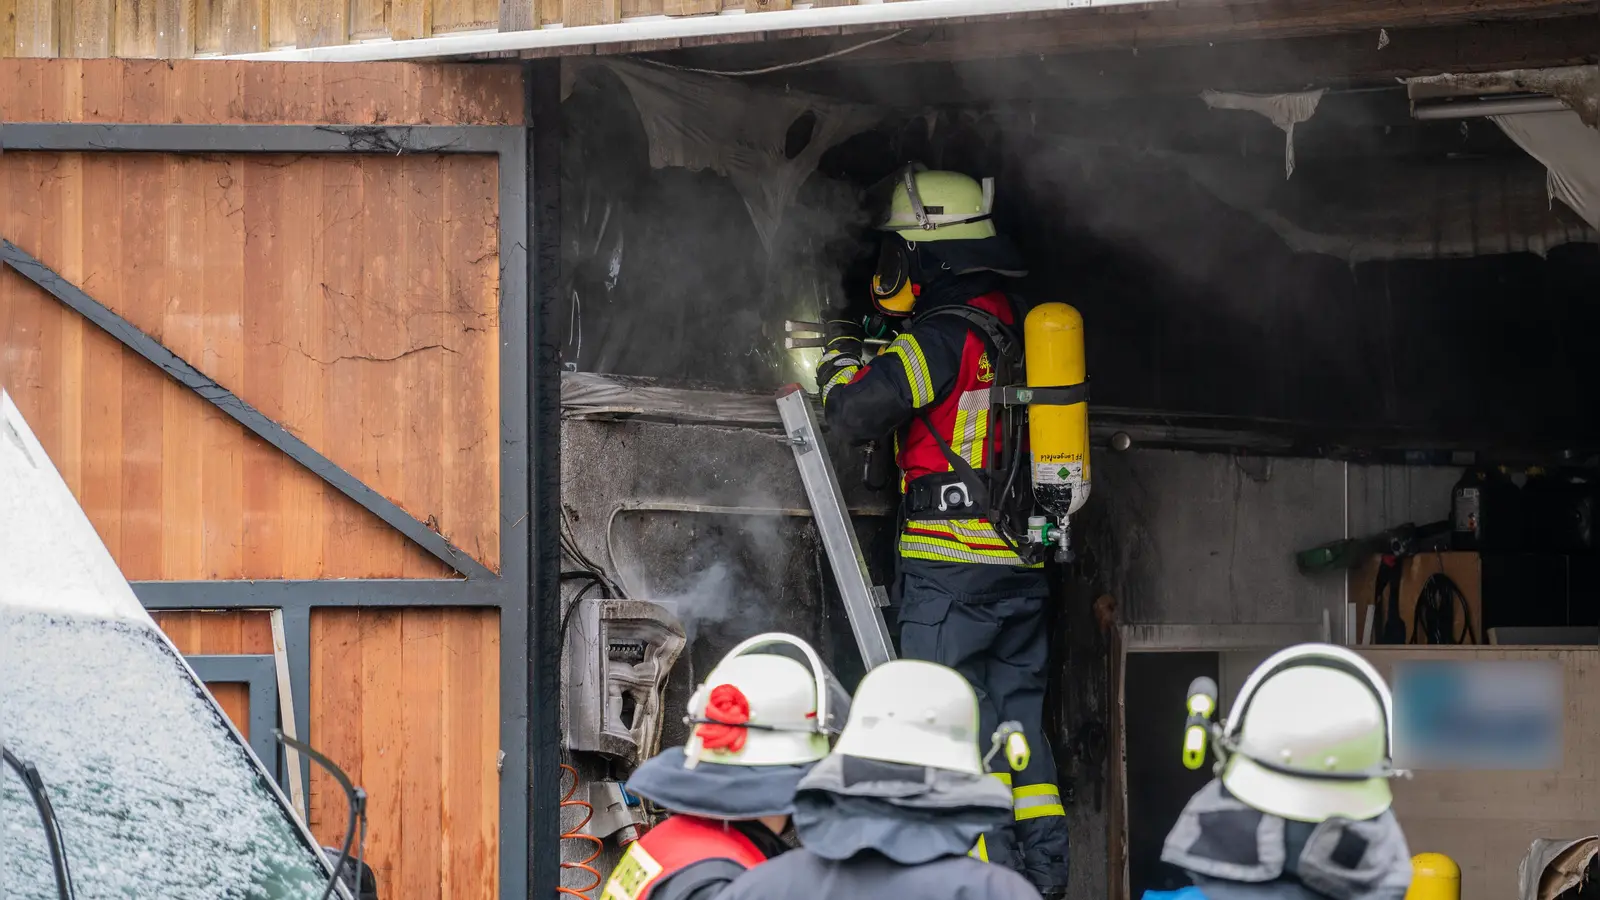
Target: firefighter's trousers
x,y
988,623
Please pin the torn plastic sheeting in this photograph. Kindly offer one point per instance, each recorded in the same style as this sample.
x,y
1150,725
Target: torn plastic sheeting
x,y
592,395
1398,213
1391,211
703,122
1570,152
1283,110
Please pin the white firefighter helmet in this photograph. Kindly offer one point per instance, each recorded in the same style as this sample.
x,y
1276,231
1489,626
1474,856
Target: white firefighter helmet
x,y
915,713
759,708
1309,737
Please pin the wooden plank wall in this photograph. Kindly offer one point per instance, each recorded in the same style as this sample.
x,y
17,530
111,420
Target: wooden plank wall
x,y
222,634
353,299
408,702
177,29
372,335
1485,821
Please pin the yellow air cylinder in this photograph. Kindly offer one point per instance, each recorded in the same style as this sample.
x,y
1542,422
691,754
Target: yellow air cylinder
x,y
1053,348
1434,876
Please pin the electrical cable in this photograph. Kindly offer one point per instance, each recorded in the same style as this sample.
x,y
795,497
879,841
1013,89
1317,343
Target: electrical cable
x,y
575,833
768,70
572,606
356,800
1391,629
1434,621
589,566
568,800
29,773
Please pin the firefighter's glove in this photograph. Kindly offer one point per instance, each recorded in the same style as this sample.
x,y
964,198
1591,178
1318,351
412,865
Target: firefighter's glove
x,y
844,337
842,352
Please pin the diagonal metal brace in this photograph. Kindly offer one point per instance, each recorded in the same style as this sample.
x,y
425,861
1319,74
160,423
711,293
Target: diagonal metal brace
x,y
238,410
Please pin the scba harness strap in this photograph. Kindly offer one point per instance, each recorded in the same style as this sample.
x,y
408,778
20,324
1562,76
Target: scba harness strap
x,y
993,494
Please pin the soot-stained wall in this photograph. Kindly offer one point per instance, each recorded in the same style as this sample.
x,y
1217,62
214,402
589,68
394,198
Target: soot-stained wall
x,y
1200,538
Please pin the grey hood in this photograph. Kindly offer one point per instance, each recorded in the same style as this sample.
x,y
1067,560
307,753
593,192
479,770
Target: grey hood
x,y
909,814
1237,852
715,790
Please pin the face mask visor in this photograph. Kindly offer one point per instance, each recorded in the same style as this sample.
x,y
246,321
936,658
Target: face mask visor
x,y
892,292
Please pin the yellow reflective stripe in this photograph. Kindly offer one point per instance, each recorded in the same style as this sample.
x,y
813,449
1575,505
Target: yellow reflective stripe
x,y
972,426
944,553
977,532
980,436
1035,801
1039,812
843,376
633,873
1005,777
973,541
980,851
924,547
916,368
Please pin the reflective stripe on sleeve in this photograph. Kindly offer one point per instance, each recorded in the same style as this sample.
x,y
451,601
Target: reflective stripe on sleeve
x,y
843,376
1035,801
909,352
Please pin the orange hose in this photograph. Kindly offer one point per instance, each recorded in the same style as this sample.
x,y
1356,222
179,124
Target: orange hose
x,y
575,833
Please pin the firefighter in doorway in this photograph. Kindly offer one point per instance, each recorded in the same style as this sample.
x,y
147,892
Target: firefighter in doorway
x,y
1301,810
760,722
892,811
967,599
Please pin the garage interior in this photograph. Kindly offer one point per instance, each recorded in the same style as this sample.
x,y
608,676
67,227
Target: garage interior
x,y
1322,288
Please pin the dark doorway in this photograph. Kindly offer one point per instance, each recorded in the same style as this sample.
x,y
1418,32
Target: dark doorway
x,y
1158,785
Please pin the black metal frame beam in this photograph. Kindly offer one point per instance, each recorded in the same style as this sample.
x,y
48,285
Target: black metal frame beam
x,y
512,590
542,112
259,674
231,405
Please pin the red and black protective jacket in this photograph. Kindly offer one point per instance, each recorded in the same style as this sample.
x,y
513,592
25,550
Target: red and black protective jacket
x,y
940,371
675,845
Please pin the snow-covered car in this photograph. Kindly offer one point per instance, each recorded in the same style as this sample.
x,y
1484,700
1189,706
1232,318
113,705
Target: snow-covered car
x,y
117,761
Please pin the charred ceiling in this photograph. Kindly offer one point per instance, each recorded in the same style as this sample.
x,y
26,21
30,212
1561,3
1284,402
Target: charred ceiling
x,y
1241,45
1404,276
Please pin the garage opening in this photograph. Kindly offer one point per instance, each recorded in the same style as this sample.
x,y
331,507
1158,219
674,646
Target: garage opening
x,y
1336,287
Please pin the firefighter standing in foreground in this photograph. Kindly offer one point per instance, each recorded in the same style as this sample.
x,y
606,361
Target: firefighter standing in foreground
x,y
967,599
892,811
760,722
1301,808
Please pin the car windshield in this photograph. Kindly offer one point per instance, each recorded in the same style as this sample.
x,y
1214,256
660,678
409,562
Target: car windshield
x,y
154,795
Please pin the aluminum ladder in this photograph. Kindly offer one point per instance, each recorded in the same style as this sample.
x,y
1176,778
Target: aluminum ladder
x,y
863,603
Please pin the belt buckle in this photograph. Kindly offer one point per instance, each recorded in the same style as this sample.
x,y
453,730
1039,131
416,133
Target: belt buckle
x,y
949,493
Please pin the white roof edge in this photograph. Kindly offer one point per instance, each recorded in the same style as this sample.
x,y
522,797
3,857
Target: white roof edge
x,y
51,558
552,41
